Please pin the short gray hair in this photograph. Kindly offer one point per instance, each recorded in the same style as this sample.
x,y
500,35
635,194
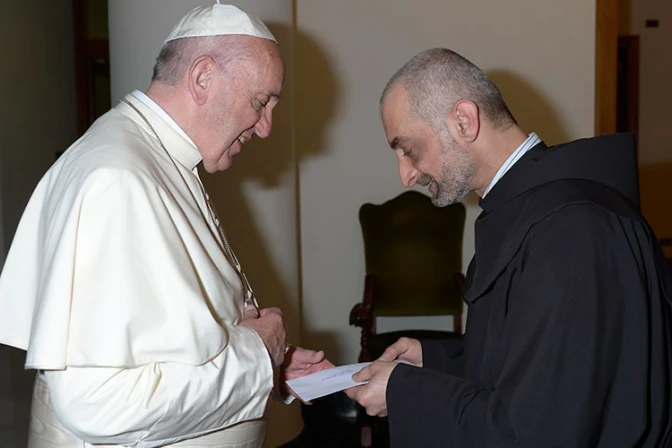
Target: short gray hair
x,y
177,55
436,79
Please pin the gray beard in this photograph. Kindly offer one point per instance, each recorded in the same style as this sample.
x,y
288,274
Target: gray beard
x,y
457,173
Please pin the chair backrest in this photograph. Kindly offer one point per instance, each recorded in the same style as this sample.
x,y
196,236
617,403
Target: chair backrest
x,y
413,249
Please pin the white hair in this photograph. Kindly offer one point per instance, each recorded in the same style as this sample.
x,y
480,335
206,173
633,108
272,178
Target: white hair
x,y
177,55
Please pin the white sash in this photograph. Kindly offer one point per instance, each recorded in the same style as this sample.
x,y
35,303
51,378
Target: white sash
x,y
46,430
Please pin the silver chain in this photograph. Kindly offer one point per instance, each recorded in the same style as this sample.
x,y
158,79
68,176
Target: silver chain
x,y
250,299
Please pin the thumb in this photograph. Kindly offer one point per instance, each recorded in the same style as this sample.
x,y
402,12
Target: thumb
x,y
390,354
395,350
306,356
312,357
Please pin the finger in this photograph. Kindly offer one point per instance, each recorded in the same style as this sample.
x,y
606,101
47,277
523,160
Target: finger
x,y
307,356
372,412
279,358
351,392
362,396
250,312
363,375
265,311
295,395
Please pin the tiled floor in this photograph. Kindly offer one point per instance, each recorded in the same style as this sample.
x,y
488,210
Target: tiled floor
x,y
16,386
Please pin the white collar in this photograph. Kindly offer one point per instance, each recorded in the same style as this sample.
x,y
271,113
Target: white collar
x,y
531,141
147,101
180,146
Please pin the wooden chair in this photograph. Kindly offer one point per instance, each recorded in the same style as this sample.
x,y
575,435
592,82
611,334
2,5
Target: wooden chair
x,y
413,254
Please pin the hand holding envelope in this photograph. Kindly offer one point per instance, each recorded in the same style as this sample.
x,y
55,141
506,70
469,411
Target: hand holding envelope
x,y
300,362
327,381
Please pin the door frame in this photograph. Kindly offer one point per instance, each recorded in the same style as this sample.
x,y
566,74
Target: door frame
x,y
606,52
87,52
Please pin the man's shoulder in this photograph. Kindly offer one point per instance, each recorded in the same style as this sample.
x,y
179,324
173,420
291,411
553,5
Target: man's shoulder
x,y
562,215
576,197
97,167
112,138
572,204
569,209
112,148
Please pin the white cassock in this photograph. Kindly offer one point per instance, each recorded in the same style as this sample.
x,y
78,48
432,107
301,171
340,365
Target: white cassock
x,y
118,287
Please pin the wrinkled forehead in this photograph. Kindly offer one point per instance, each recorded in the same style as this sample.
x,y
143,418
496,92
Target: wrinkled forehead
x,y
276,64
274,71
261,66
267,54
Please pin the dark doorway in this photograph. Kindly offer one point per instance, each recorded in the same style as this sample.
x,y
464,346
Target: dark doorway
x,y
92,61
627,96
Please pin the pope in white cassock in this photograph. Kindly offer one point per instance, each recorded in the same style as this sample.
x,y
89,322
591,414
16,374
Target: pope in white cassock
x,y
120,283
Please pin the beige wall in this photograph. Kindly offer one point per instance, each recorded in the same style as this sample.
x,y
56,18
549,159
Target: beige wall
x,y
37,100
655,74
540,52
655,113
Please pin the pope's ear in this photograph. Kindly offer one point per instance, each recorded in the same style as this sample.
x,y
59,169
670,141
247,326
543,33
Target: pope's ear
x,y
200,77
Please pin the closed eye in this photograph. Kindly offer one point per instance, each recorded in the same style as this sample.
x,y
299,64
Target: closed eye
x,y
409,153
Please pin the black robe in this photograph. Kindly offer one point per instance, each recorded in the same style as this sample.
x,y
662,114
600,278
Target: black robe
x,y
569,331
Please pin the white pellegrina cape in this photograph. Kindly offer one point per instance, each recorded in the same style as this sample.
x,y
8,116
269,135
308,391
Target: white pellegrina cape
x,y
116,261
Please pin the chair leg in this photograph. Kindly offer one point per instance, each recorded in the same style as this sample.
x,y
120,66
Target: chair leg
x,y
366,436
365,423
457,323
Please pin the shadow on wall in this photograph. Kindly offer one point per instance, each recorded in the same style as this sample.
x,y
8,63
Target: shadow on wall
x,y
273,163
316,104
532,110
655,184
316,96
314,93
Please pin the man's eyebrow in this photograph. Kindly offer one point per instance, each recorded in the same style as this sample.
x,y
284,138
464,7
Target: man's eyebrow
x,y
269,94
398,141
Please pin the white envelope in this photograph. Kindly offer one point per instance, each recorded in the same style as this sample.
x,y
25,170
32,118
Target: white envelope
x,y
327,381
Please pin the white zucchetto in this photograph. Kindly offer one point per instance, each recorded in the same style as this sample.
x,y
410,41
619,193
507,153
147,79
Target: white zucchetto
x,y
219,20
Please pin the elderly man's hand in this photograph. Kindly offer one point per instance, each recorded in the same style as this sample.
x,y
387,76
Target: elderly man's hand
x,y
300,362
272,330
372,396
406,349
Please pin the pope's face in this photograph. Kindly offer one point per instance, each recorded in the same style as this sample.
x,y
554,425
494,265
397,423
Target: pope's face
x,y
426,156
242,106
